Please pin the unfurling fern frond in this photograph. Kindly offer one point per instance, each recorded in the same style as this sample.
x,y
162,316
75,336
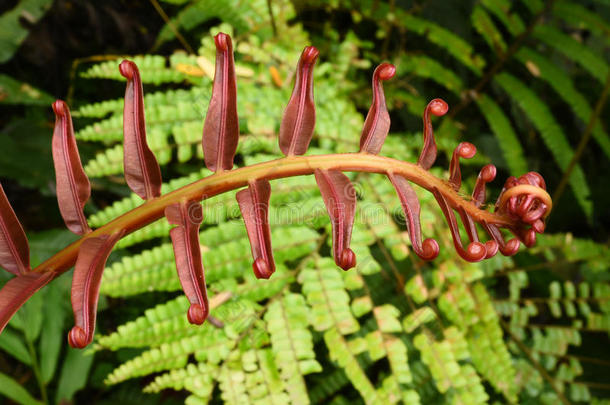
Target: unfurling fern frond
x,y
265,352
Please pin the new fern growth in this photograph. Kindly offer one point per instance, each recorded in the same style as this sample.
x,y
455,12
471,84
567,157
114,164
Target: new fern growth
x,y
521,207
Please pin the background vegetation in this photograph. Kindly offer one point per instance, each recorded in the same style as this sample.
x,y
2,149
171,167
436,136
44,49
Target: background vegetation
x,y
526,82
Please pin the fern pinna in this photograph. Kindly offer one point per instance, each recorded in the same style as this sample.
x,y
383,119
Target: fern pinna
x,y
521,207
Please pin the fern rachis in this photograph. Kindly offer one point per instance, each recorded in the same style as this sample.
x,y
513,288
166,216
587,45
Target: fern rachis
x,y
521,208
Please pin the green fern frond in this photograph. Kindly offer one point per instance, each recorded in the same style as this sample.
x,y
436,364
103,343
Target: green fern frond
x,y
292,344
153,68
210,344
429,68
548,71
154,270
457,47
501,9
551,133
505,135
324,289
201,11
485,26
461,382
341,352
574,50
580,17
197,379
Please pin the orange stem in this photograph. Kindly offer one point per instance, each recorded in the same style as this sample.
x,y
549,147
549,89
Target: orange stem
x,y
224,181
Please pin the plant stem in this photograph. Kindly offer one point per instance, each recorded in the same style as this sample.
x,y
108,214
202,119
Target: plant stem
x,y
36,368
224,181
172,27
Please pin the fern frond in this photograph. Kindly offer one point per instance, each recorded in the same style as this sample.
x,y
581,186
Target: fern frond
x,y
429,68
198,379
210,344
564,87
153,69
461,50
501,9
155,269
442,359
505,135
551,133
324,288
292,344
340,352
579,16
574,50
483,23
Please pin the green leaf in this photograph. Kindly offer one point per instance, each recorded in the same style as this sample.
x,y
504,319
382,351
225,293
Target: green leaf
x,y
26,151
74,374
505,135
13,390
32,316
574,50
12,32
551,133
563,85
13,344
52,336
16,92
483,23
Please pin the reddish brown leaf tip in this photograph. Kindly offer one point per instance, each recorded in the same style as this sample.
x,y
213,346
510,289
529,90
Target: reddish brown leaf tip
x,y
14,248
340,200
512,247
222,42
254,206
464,150
492,248
59,108
128,69
262,269
385,71
77,338
188,215
377,122
299,118
72,184
142,172
438,107
221,125
476,251
310,55
348,259
88,270
429,249
197,314
486,175
506,248
427,156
